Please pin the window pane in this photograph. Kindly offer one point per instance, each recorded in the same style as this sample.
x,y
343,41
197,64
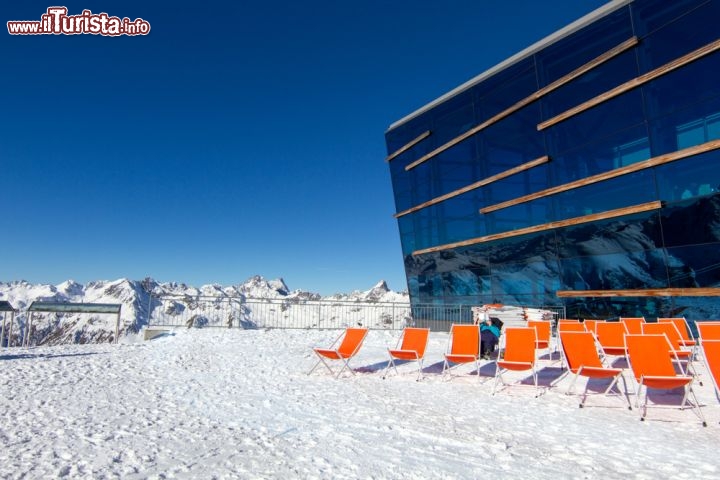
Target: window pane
x,y
632,189
631,233
672,29
591,84
619,149
579,48
609,117
694,266
670,92
692,222
622,270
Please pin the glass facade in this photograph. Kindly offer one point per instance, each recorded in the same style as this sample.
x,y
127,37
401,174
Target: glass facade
x,y
629,131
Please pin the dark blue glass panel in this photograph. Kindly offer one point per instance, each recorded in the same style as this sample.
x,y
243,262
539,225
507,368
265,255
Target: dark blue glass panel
x,y
513,140
458,166
576,50
669,30
692,222
694,266
402,192
407,243
490,87
615,307
684,128
398,164
618,150
518,185
450,124
399,136
519,216
591,84
531,248
651,15
689,178
632,189
670,92
510,92
536,280
609,117
631,233
624,270
463,283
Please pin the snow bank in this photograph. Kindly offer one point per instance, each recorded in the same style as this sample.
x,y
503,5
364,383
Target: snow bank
x,y
236,403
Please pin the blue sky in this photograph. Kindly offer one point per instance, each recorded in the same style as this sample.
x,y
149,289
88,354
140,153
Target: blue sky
x,y
237,138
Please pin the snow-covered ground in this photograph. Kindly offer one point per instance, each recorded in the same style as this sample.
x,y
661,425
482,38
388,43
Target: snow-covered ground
x,y
232,403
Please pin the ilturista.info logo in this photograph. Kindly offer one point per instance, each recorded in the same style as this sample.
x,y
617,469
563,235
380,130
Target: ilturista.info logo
x,y
56,21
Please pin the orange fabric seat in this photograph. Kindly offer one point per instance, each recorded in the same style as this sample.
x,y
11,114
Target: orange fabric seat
x,y
682,328
611,336
463,347
411,347
581,354
668,329
651,359
708,330
711,356
543,331
519,354
352,340
590,325
633,324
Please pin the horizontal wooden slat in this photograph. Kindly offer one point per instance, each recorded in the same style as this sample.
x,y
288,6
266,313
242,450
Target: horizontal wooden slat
x,y
652,162
478,184
613,52
527,100
619,212
650,292
634,83
408,145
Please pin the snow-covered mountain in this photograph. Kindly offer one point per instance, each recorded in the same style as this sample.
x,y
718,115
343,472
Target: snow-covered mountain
x,y
142,299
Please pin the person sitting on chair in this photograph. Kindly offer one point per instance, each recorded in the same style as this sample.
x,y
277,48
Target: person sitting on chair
x,y
489,337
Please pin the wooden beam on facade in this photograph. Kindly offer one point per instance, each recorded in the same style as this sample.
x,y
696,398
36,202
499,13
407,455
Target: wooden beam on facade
x,y
593,217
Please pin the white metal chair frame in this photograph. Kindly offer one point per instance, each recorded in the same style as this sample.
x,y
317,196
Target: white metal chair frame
x,y
687,387
499,371
446,364
391,362
345,360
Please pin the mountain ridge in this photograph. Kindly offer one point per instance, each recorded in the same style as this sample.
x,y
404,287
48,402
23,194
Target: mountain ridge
x,y
138,297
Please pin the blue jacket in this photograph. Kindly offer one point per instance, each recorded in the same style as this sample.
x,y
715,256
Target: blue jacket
x,y
493,329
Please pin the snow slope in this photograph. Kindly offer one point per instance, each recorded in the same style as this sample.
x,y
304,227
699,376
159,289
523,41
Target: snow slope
x,y
231,403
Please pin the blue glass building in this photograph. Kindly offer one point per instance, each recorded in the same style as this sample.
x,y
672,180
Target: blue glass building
x,y
583,171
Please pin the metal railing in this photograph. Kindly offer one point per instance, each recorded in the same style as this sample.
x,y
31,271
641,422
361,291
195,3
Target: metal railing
x,y
242,312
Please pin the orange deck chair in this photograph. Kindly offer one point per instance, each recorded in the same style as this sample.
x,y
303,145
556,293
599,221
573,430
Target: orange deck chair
x,y
633,324
652,367
711,356
708,330
684,330
568,326
611,336
581,354
352,340
411,347
590,324
676,344
543,330
463,347
519,354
